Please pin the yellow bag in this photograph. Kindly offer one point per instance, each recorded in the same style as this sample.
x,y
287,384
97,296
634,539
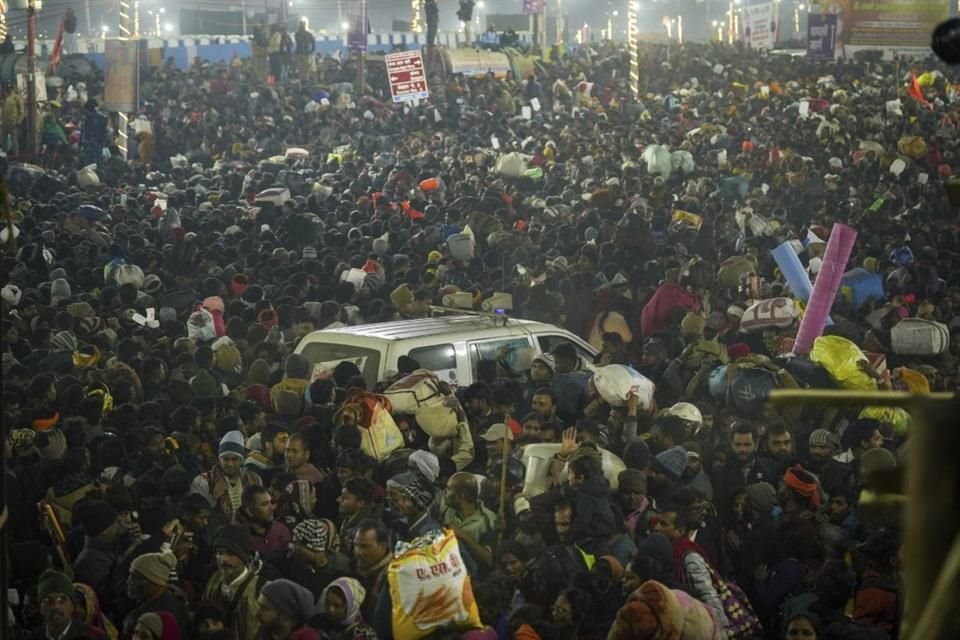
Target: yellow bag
x,y
895,416
840,358
911,380
926,79
430,589
912,146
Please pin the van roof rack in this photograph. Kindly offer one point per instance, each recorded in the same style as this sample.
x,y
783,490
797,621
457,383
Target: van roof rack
x,y
500,315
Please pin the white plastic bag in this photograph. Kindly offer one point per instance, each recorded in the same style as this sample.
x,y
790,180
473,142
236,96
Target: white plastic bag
x,y
87,177
616,383
513,165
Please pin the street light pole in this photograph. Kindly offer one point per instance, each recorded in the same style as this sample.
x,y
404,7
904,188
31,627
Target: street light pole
x,y
31,78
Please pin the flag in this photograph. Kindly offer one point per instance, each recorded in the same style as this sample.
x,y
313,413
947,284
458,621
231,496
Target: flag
x,y
916,92
57,49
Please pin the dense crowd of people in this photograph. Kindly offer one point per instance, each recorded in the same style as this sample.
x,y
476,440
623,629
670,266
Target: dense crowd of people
x,y
174,470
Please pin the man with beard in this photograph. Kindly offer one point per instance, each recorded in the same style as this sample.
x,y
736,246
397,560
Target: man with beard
x,y
780,447
284,608
744,468
268,535
223,486
236,583
55,593
835,477
267,448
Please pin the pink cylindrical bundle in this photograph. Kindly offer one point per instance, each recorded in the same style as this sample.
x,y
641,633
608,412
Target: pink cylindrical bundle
x,y
835,258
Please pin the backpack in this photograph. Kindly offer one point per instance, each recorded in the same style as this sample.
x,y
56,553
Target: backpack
x,y
743,622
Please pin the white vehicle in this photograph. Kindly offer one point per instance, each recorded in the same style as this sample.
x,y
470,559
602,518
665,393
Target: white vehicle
x,y
450,346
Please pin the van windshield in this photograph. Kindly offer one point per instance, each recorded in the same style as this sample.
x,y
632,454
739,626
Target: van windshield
x,y
325,356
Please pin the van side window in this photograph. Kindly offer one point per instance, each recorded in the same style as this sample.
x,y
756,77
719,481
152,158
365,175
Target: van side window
x,y
488,351
549,342
439,358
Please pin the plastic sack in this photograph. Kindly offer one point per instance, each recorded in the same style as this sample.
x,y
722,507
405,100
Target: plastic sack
x,y
734,268
200,326
533,173
441,420
616,383
461,246
420,389
179,161
129,274
912,146
296,153
538,457
430,588
772,313
87,177
919,337
512,165
841,358
370,413
658,160
682,160
276,195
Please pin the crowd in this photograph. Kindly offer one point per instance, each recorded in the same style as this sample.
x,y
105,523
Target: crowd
x,y
195,482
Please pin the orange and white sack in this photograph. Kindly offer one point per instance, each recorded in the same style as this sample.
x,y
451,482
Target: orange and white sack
x,y
430,589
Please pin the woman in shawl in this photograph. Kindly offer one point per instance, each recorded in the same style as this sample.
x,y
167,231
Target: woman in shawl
x,y
341,602
90,613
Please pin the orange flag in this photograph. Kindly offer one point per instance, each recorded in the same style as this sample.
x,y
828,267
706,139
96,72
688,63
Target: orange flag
x,y
917,92
57,50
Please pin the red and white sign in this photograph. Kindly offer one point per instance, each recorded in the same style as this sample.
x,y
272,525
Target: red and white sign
x,y
408,81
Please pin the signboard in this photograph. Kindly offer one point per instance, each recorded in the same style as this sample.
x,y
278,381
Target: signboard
x,y
357,21
530,7
896,24
759,35
121,88
821,36
407,79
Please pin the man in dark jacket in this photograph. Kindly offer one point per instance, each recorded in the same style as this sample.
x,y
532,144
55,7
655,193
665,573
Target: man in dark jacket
x,y
593,521
744,468
835,477
56,593
148,586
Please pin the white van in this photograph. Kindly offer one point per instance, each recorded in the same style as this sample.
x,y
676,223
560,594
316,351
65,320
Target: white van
x,y
450,346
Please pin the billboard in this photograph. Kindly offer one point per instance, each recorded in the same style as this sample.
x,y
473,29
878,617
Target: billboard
x,y
903,25
759,34
357,19
121,87
821,36
407,79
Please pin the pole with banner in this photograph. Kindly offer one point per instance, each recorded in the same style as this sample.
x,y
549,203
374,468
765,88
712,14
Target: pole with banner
x,y
357,40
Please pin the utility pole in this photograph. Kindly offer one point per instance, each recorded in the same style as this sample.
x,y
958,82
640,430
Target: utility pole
x,y
31,78
86,6
243,16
